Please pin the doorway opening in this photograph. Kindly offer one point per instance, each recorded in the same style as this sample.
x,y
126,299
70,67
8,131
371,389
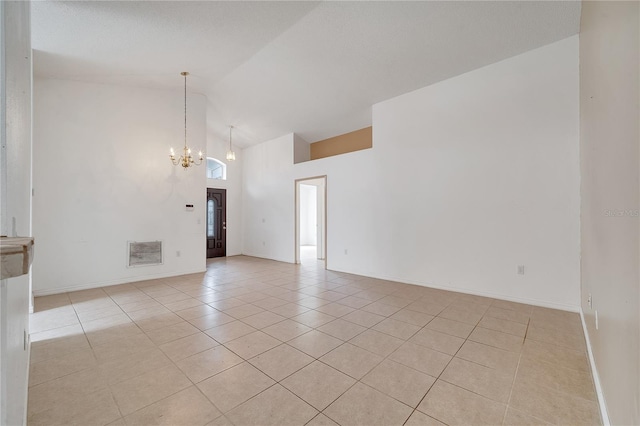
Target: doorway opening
x,y
311,220
216,222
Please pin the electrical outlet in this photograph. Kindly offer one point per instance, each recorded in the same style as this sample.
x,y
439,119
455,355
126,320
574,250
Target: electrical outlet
x,y
346,251
177,253
590,301
520,269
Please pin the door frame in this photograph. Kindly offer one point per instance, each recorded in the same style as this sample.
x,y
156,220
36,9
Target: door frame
x,y
224,222
296,207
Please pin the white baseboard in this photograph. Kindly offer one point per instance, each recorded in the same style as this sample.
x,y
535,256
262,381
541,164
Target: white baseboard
x,y
260,256
594,373
527,301
26,388
97,284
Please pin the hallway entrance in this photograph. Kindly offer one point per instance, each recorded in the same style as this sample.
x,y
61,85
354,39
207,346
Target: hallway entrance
x,y
310,225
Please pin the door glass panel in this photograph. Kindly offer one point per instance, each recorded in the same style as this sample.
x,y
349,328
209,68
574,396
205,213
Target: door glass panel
x,y
211,212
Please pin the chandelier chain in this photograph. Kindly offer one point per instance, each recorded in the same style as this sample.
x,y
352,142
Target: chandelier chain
x,y
185,109
186,160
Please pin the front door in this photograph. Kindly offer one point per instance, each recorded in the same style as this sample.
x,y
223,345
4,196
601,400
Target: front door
x,y
216,222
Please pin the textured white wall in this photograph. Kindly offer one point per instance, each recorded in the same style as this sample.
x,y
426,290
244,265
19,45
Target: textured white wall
x,y
15,178
466,180
610,135
102,176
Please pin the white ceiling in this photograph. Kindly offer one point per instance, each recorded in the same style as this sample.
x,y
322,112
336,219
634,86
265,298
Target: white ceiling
x,y
271,68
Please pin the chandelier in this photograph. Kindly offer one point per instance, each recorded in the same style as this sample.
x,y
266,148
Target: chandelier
x,y
231,156
185,160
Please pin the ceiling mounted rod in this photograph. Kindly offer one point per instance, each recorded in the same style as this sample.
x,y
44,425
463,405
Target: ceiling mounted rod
x,y
186,159
231,156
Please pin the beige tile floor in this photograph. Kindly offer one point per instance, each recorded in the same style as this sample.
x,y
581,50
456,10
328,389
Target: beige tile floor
x,y
257,342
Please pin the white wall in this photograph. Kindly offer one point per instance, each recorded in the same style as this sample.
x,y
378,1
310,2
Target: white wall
x,y
301,149
610,135
102,177
217,148
308,215
15,197
320,219
268,200
466,180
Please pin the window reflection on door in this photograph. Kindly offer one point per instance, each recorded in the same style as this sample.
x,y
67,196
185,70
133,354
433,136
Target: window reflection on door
x,y
211,214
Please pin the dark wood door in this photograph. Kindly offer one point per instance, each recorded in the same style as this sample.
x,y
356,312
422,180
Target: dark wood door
x,y
216,222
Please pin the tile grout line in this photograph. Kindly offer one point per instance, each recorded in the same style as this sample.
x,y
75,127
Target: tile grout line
x,y
515,375
438,378
326,288
454,356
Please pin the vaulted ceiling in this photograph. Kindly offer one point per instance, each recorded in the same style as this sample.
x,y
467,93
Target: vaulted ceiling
x,y
271,68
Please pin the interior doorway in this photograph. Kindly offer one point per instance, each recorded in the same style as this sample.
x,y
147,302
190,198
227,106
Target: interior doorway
x,y
216,222
311,220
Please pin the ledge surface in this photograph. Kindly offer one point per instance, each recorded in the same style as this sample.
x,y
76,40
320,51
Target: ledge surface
x,y
17,255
